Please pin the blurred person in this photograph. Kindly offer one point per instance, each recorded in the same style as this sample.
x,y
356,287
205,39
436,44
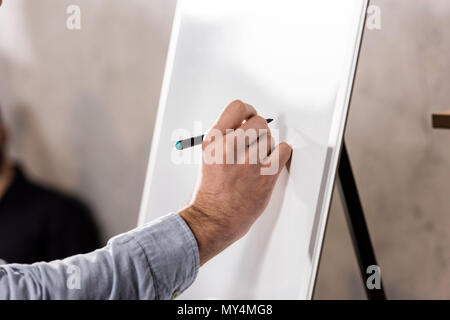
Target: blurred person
x,y
36,222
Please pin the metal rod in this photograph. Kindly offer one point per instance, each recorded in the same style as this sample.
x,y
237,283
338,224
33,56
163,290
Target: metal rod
x,y
357,224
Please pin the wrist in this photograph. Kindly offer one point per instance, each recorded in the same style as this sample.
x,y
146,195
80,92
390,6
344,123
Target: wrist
x,y
213,234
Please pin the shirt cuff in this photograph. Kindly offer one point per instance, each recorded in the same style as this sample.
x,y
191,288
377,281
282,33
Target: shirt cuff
x,y
172,254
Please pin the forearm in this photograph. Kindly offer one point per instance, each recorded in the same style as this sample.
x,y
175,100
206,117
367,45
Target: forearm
x,y
151,262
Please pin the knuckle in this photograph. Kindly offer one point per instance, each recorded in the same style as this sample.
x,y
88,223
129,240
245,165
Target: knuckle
x,y
238,105
260,120
262,124
285,147
205,143
257,123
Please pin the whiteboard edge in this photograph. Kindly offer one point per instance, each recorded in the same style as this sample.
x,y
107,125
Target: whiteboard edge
x,y
160,113
335,157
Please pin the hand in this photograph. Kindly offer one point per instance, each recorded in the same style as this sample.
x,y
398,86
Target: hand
x,y
232,195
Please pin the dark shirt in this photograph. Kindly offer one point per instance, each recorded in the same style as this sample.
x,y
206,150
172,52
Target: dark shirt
x,y
39,224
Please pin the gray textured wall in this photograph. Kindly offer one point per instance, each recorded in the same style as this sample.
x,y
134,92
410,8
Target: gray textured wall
x,y
402,166
81,106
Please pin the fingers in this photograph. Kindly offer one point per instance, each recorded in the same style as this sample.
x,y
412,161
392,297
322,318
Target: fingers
x,y
255,129
278,158
233,116
256,123
258,152
252,130
285,153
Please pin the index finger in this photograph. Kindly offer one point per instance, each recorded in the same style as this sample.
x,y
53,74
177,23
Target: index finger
x,y
233,116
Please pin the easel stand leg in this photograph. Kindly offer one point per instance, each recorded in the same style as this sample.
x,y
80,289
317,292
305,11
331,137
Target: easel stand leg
x,y
357,224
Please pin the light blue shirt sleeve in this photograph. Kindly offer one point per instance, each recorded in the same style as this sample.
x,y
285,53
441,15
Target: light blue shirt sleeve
x,y
156,261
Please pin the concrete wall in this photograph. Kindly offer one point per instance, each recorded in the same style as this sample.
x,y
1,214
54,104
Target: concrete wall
x,y
402,166
81,106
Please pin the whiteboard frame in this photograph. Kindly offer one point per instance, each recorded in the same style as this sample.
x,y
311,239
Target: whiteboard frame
x,y
347,90
337,132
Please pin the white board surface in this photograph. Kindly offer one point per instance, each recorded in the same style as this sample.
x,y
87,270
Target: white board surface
x,y
293,60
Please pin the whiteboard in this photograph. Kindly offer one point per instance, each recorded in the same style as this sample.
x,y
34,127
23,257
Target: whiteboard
x,y
294,61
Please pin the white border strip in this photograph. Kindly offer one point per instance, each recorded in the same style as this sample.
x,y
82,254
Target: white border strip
x,y
160,113
337,132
